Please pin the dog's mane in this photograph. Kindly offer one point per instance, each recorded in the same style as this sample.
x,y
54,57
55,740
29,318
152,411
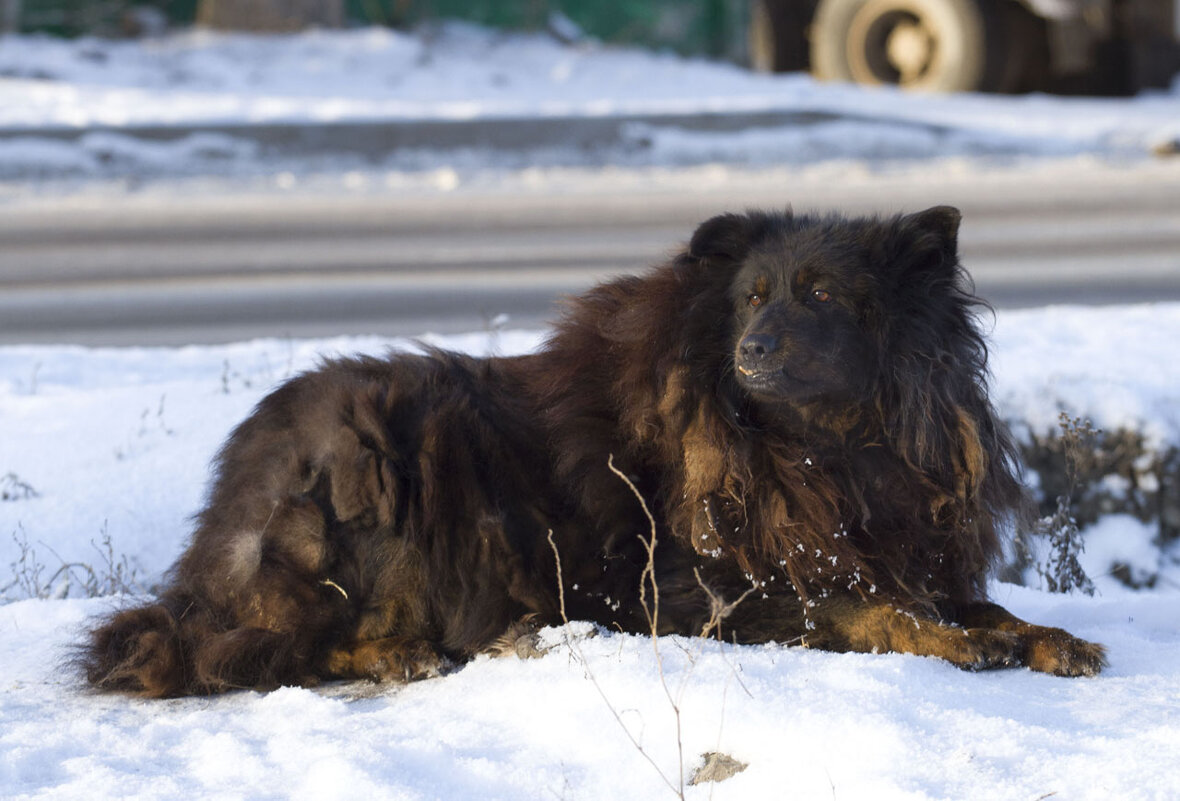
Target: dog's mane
x,y
903,496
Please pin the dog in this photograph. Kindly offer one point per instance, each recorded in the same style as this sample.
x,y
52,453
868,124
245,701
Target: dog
x,y
783,434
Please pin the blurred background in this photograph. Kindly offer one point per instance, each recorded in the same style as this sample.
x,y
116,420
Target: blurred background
x,y
185,171
1112,46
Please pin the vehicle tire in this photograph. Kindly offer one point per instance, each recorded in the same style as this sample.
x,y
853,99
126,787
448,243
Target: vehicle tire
x,y
933,45
777,35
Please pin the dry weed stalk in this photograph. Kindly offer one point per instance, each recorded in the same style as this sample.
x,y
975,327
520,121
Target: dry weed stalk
x,y
653,613
719,610
572,643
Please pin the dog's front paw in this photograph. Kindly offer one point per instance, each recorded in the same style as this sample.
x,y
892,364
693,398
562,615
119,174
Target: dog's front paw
x,y
985,649
1055,651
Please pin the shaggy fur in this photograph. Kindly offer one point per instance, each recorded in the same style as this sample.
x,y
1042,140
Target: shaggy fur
x,y
800,401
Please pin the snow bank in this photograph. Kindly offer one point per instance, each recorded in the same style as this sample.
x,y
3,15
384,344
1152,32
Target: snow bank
x,y
461,72
1115,365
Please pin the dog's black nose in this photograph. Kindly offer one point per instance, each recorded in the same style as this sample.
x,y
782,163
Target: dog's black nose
x,y
755,347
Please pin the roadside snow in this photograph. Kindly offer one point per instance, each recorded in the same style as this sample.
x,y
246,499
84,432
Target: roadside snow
x,y
117,442
460,72
1117,366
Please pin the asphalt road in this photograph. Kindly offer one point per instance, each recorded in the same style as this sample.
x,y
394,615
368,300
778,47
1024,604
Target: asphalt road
x,y
170,267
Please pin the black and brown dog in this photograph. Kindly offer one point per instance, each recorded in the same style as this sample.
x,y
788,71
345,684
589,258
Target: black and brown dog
x,y
800,401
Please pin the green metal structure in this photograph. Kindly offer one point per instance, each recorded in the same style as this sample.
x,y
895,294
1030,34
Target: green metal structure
x,y
705,27
93,17
687,26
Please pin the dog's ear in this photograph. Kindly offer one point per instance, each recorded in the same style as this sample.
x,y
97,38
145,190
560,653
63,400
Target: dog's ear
x,y
940,221
924,247
935,229
728,236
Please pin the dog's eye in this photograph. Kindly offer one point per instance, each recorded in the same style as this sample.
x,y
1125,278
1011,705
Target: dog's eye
x,y
821,295
755,300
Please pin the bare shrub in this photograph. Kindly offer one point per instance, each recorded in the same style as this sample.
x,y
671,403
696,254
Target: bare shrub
x,y
1060,570
110,574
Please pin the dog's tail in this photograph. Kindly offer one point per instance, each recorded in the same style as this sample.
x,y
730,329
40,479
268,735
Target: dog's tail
x,y
179,646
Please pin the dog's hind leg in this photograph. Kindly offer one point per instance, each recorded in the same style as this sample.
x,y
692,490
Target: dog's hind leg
x,y
182,646
250,611
139,651
387,659
520,639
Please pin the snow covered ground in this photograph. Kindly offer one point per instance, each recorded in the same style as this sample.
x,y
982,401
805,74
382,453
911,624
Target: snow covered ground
x,y
454,72
809,724
115,443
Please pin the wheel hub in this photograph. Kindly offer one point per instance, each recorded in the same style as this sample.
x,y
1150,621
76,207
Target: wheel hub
x,y
892,41
910,49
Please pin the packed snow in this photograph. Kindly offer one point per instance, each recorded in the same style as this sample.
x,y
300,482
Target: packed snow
x,y
457,72
112,446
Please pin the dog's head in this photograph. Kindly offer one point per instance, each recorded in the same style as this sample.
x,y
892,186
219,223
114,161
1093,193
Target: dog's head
x,y
866,322
829,309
